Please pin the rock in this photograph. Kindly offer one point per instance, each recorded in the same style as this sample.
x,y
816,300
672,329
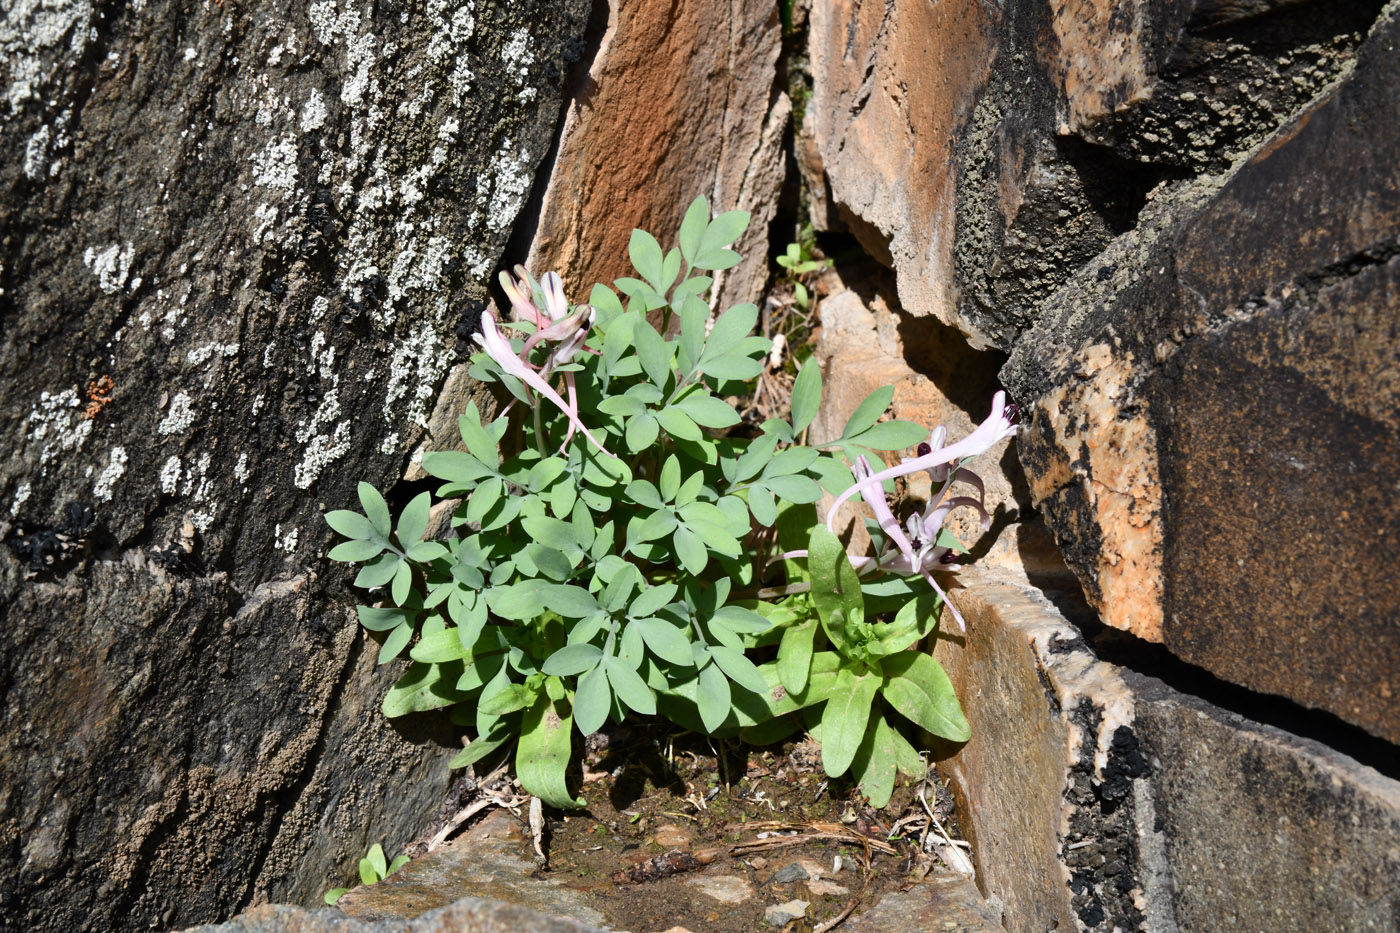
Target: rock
x,y
232,250
793,871
671,836
827,888
675,104
475,914
1189,390
1099,797
727,889
491,861
943,903
779,914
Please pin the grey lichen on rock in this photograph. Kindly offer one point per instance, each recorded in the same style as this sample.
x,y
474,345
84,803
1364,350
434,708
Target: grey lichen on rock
x,y
235,244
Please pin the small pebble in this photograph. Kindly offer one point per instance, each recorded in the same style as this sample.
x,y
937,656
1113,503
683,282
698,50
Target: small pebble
x,y
727,889
821,888
814,868
790,872
780,914
671,836
758,863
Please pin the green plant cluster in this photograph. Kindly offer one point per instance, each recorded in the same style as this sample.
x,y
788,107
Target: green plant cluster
x,y
373,869
644,573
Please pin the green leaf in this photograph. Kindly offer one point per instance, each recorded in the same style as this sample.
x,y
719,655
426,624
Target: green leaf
x,y
737,367
376,859
382,619
518,602
761,503
730,329
723,230
654,353
657,525
708,411
399,862
844,720
367,875
378,571
806,395
835,585
645,494
480,747
376,509
641,432
572,602
624,406
545,472
713,697
739,668
693,228
425,552
892,435
868,411
694,316
670,479
402,583
919,689
875,762
629,686
755,457
437,647
664,639
542,756
792,460
354,552
550,562
333,895
395,643
592,700
647,259
605,301
690,550
512,698
795,655
572,660
350,524
421,688
795,488
678,424
651,599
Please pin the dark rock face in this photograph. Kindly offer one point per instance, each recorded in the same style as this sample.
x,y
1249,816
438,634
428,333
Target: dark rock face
x,y
1217,412
234,245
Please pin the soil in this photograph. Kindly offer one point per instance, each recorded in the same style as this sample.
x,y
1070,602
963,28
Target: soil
x,y
677,833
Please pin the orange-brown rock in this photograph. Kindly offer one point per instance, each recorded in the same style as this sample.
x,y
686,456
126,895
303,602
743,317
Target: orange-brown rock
x,y
676,104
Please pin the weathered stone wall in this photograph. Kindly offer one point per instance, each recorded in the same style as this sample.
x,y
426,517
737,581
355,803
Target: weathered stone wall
x,y
1170,230
235,240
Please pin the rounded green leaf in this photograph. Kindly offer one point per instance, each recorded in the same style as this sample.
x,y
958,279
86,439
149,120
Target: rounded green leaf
x,y
713,697
844,720
690,550
353,552
629,686
678,424
376,509
708,411
592,700
395,643
573,659
806,395
350,524
664,640
917,686
641,432
542,756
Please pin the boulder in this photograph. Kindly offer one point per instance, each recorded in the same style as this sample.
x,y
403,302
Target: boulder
x,y
1213,410
1099,797
234,242
679,101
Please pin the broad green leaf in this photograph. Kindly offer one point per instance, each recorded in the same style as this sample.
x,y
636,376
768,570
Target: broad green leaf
x,y
335,894
395,643
571,602
868,411
518,602
350,524
835,477
483,499
378,571
844,720
629,686
354,552
651,599
755,458
421,688
376,858
792,460
644,493
690,489
376,509
724,230
695,314
542,756
806,395
835,585
795,655
734,367
550,562
690,550
708,411
478,440
402,583
761,503
367,875
678,424
875,762
382,619
425,552
892,435
795,488
592,700
624,406
645,254
512,698
455,466
669,482
739,668
480,747
654,353
545,472
693,228
664,639
413,520
729,330
657,525
917,686
438,646
713,697
605,301
641,432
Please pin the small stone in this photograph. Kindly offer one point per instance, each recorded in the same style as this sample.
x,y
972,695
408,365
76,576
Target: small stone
x,y
793,871
675,930
671,836
824,888
815,869
727,889
758,863
780,914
